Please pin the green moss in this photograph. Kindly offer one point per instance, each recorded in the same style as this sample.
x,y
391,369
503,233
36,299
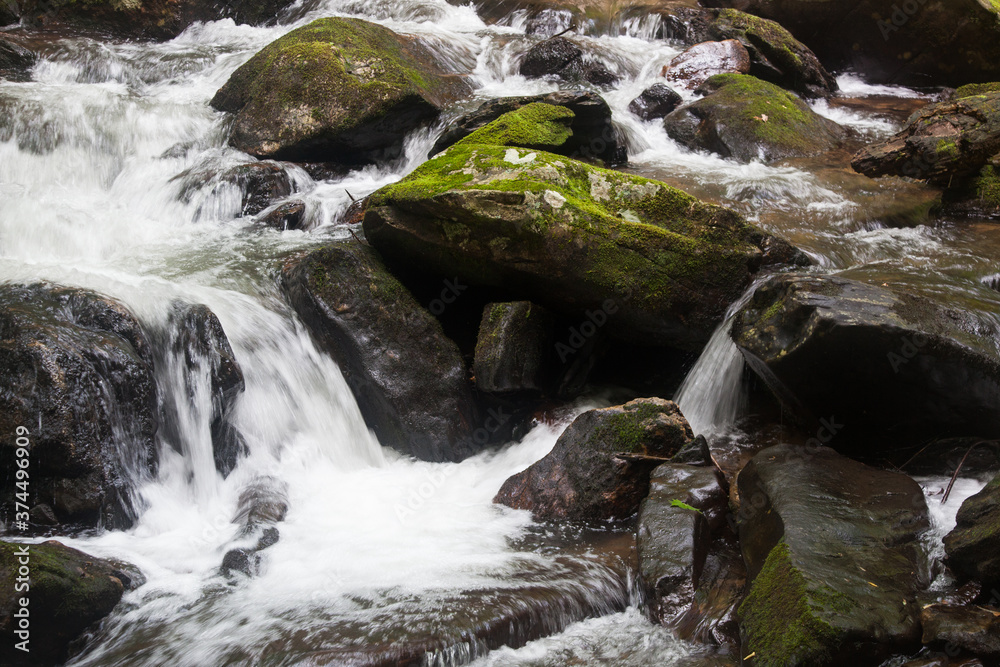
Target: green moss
x,y
629,430
946,148
778,617
536,125
777,44
971,89
988,186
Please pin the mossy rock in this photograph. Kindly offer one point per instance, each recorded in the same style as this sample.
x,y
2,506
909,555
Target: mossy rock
x,y
337,90
543,126
775,55
409,379
943,143
971,89
748,119
571,237
583,479
977,197
67,591
514,349
973,547
832,549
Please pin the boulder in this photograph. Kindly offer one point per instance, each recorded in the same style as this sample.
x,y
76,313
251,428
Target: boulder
x,y
883,363
283,217
748,119
973,547
68,592
655,102
594,135
194,346
9,12
514,347
832,549
970,628
599,468
661,265
916,43
76,369
674,534
564,59
702,61
940,143
409,379
261,184
144,19
16,61
775,55
975,197
971,89
337,90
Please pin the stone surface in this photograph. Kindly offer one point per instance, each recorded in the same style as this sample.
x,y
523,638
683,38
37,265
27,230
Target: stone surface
x,y
16,60
702,61
832,549
973,629
284,217
973,547
871,362
583,478
514,347
747,119
564,59
336,90
655,102
409,379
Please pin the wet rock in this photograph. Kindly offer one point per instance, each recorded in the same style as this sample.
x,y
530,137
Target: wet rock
x,y
243,560
264,502
9,13
337,90
674,534
199,351
973,547
696,453
564,59
145,19
973,629
975,197
77,375
290,215
940,143
924,44
514,344
775,55
832,550
261,184
748,119
69,591
574,238
655,102
408,378
703,61
593,134
883,363
599,468
16,61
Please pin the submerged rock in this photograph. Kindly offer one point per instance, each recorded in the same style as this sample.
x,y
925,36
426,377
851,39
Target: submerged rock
x,y
76,369
599,468
593,134
513,347
69,591
337,90
16,61
918,43
409,379
841,354
748,119
564,59
775,55
832,550
655,102
973,547
658,264
703,61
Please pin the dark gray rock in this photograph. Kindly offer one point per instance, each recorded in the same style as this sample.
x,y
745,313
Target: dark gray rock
x,y
973,547
16,61
655,102
514,344
564,59
290,215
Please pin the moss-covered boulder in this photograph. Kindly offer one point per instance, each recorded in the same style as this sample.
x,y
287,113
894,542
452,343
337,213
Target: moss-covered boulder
x,y
594,136
775,55
832,550
66,590
973,547
599,468
748,119
76,369
662,265
514,348
144,19
870,364
942,143
972,89
337,90
409,379
916,43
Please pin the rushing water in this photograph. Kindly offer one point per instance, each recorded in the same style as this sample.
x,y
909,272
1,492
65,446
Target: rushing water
x,y
100,163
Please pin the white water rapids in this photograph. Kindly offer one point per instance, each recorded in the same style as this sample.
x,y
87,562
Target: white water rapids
x,y
89,155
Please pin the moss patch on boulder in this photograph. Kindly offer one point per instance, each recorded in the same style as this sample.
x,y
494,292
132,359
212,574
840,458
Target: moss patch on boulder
x,y
970,89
